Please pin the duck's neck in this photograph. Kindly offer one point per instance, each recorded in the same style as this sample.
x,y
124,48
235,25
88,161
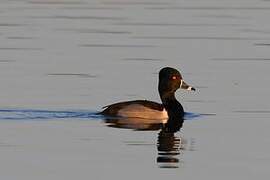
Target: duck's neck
x,y
168,98
172,106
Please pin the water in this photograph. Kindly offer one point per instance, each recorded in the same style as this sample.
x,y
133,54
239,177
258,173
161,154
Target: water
x,y
62,60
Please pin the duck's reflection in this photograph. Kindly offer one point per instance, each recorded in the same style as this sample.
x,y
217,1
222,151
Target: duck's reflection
x,y
169,145
134,123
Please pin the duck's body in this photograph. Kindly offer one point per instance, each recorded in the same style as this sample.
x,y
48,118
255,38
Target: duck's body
x,y
137,109
169,81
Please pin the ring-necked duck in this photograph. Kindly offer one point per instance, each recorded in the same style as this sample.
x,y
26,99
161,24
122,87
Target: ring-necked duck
x,y
169,81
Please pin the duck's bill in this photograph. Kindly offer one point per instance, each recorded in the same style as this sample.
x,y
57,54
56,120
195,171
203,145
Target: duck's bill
x,y
184,85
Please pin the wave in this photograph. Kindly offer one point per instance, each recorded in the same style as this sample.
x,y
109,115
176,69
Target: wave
x,y
35,114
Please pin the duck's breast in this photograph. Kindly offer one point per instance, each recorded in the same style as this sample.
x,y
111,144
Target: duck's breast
x,y
141,111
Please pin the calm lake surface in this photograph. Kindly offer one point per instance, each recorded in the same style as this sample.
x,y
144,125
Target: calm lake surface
x,y
62,60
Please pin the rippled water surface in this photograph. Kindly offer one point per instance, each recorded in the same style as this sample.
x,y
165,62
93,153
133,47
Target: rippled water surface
x,y
61,61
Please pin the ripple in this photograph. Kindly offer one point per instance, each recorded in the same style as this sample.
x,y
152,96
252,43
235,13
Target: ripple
x,y
6,61
241,59
196,116
21,48
200,38
92,8
11,24
262,44
20,37
256,31
176,24
225,16
3,144
116,45
79,17
208,8
138,143
142,59
57,2
73,74
201,101
135,3
253,111
32,114
96,31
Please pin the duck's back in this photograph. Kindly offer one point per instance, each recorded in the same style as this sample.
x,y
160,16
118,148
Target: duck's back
x,y
136,109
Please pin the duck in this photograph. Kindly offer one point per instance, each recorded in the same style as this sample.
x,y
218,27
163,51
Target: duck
x,y
170,80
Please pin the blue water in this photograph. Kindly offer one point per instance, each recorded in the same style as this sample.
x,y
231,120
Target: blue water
x,y
32,114
35,114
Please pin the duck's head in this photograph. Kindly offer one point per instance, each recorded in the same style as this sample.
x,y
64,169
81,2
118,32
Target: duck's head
x,y
170,80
